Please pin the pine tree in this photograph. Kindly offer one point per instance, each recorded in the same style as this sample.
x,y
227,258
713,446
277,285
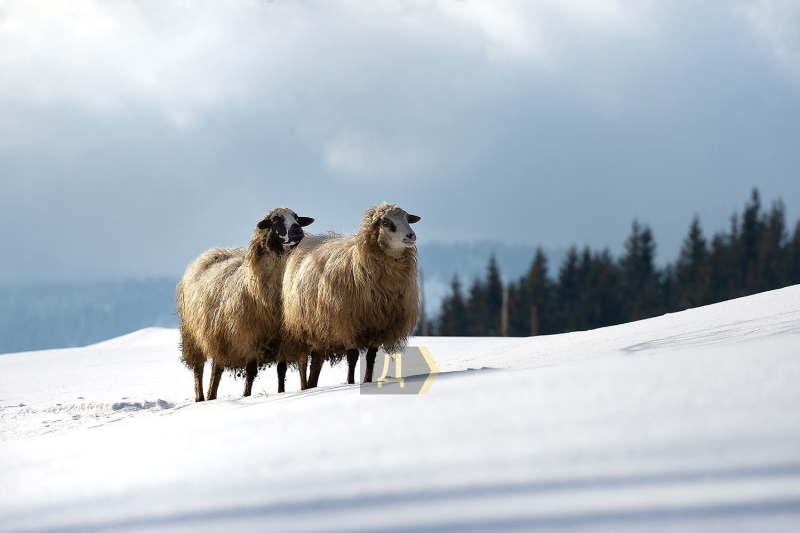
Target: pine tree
x,y
494,296
668,284
639,279
731,261
604,304
477,309
534,289
568,292
723,272
484,302
584,310
691,269
453,320
749,239
792,268
772,250
540,290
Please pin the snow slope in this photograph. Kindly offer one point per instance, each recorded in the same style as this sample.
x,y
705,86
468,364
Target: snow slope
x,y
686,422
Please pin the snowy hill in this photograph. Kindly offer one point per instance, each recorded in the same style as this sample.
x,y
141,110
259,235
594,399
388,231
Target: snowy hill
x,y
685,422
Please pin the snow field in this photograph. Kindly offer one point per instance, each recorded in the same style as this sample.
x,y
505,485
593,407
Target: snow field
x,y
686,422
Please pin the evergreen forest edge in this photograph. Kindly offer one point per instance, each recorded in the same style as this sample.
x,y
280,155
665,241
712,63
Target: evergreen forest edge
x,y
592,289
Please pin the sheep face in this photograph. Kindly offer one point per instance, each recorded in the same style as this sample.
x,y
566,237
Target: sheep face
x,y
284,229
394,227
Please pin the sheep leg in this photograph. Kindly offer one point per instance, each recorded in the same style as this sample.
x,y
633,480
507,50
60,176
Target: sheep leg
x,y
251,371
213,385
352,359
317,360
371,354
302,365
282,376
198,382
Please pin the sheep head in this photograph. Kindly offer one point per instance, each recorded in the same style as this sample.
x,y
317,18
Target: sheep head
x,y
391,226
281,229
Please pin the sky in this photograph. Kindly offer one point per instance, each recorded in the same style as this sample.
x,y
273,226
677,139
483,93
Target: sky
x,y
136,134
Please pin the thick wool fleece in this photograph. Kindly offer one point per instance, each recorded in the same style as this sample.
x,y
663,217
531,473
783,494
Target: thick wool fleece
x,y
351,291
229,303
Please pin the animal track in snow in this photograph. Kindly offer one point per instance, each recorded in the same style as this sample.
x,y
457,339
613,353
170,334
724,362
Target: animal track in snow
x,y
21,421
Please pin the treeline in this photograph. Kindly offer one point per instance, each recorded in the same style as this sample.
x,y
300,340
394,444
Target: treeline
x,y
593,289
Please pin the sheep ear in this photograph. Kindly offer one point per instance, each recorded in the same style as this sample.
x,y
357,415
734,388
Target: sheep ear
x,y
412,219
264,224
304,221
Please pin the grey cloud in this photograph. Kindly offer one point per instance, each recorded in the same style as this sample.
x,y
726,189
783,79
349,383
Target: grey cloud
x,y
147,131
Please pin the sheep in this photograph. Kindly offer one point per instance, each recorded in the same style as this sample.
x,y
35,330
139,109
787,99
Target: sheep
x,y
343,294
229,302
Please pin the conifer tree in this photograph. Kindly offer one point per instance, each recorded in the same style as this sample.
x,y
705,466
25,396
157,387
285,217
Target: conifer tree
x,y
723,272
568,292
534,289
749,239
477,309
792,269
772,250
667,289
732,266
640,283
453,320
484,302
691,269
603,305
583,311
494,294
540,291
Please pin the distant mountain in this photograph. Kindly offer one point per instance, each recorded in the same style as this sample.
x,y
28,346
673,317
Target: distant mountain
x,y
62,315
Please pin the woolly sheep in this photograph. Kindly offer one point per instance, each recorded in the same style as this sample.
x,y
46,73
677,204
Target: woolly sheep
x,y
343,294
229,302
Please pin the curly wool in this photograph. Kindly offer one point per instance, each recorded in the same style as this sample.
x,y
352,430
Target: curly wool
x,y
351,291
229,304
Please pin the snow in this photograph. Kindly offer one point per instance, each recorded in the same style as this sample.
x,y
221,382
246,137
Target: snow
x,y
685,422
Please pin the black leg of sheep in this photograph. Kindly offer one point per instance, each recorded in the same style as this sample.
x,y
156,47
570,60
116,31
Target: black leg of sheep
x,y
317,360
352,359
251,371
372,352
282,376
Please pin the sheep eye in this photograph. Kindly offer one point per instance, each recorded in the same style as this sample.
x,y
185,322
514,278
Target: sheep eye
x,y
385,222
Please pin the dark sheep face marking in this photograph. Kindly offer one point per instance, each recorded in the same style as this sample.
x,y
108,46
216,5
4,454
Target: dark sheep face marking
x,y
387,223
286,230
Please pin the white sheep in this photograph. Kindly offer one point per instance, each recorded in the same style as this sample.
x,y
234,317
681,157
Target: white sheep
x,y
343,294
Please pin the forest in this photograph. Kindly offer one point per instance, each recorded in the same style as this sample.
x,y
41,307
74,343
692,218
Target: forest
x,y
592,289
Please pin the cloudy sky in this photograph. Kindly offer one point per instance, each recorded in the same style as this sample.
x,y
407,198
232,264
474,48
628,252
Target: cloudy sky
x,y
136,134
